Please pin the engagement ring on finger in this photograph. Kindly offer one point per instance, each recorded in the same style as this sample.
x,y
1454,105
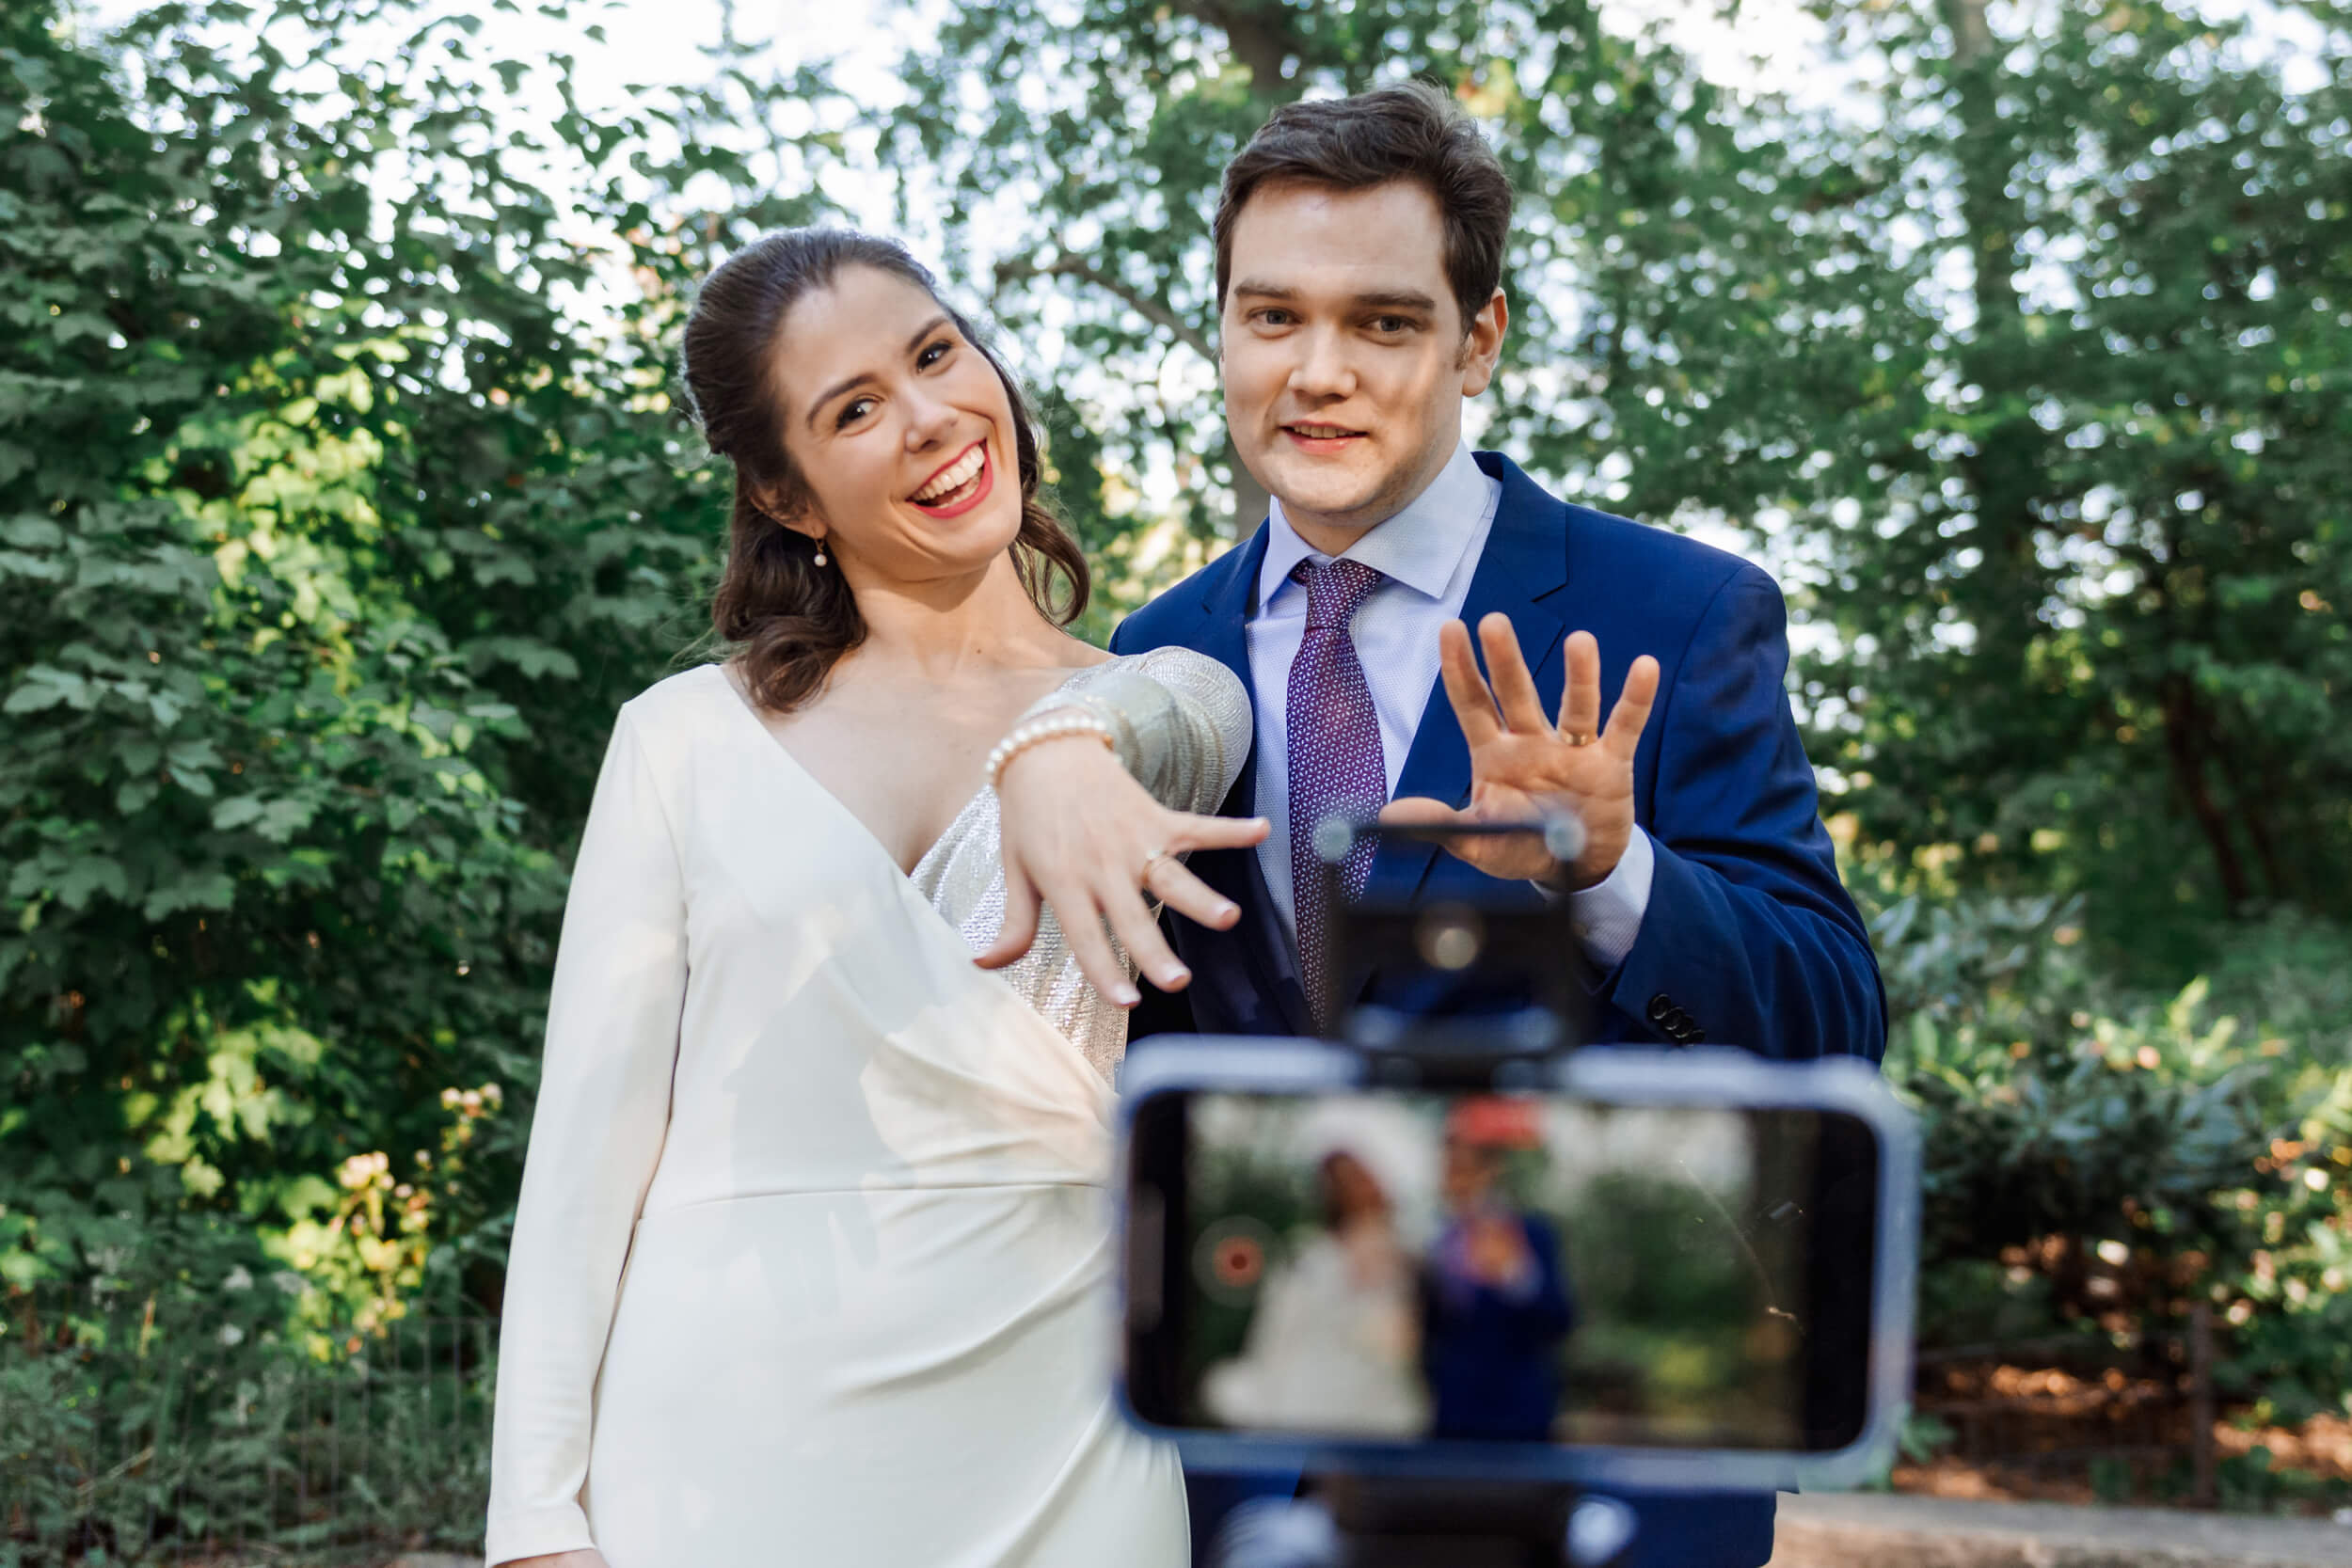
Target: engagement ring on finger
x,y
1151,862
1579,737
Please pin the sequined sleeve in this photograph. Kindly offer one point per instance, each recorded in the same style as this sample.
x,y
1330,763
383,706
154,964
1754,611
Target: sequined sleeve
x,y
1180,721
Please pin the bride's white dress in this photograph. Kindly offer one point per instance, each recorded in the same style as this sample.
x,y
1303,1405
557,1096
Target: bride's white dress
x,y
811,1263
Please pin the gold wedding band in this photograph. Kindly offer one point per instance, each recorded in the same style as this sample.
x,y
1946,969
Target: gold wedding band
x,y
1579,738
1150,861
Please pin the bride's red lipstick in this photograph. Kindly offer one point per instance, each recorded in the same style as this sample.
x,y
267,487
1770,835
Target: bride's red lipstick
x,y
980,484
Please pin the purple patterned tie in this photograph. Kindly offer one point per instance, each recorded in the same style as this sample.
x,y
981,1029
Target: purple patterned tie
x,y
1333,735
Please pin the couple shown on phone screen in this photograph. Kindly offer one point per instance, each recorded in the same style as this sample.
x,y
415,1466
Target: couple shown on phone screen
x,y
1394,1318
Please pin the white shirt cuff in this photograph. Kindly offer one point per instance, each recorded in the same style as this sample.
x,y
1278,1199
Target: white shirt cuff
x,y
1608,915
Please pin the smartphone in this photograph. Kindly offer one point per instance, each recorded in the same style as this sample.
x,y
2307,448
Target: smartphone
x,y
1690,1268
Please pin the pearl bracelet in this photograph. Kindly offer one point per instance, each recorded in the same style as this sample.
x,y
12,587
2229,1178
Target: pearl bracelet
x,y
1052,727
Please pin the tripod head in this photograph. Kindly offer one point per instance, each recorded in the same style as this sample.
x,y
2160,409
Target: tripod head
x,y
1449,990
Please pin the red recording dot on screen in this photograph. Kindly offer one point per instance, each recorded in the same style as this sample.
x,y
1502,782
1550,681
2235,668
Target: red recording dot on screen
x,y
1239,1261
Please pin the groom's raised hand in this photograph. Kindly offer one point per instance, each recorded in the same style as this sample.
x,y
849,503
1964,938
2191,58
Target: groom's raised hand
x,y
1523,765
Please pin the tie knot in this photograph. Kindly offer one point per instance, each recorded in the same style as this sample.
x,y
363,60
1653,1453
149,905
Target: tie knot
x,y
1335,590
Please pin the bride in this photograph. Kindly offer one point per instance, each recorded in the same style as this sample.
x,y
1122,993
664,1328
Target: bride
x,y
811,1258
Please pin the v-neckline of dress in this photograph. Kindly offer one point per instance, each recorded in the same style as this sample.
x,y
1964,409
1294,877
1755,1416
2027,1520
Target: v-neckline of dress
x,y
906,885
911,876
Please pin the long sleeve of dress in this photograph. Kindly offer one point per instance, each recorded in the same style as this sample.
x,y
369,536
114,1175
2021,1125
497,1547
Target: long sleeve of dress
x,y
1179,722
596,1138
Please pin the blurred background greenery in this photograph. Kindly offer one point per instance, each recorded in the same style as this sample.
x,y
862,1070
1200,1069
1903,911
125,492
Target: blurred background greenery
x,y
343,499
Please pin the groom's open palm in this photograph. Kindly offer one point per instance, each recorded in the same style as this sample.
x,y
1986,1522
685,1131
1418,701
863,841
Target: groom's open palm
x,y
1524,766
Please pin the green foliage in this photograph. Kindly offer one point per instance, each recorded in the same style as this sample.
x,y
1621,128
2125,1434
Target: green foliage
x,y
342,501
333,542
2104,1160
2147,1116
2093,598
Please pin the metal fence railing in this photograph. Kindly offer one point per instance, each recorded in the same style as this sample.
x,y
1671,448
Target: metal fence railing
x,y
181,1428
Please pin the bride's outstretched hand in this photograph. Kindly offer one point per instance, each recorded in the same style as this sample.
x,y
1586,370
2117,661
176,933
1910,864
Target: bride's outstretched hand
x,y
1080,834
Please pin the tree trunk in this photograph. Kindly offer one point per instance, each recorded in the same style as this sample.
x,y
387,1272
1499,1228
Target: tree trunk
x,y
2181,744
2252,805
1260,35
2004,469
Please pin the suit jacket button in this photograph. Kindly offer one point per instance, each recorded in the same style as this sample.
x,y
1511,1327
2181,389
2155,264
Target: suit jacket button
x,y
1697,1037
1661,1007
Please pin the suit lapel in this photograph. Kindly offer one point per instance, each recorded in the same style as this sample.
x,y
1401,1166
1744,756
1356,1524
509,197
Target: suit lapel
x,y
1223,635
1522,572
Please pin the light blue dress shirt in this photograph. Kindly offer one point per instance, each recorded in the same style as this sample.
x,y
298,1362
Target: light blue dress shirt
x,y
1426,554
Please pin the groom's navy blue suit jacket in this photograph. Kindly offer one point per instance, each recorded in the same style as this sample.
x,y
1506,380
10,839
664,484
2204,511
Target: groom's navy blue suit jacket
x,y
1748,938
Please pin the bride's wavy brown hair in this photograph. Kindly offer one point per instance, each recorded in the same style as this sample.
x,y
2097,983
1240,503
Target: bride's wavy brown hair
x,y
791,619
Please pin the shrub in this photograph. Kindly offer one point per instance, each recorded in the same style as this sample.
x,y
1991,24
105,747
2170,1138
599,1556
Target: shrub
x,y
2098,1159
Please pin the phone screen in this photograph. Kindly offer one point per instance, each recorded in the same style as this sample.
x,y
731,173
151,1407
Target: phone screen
x,y
1479,1267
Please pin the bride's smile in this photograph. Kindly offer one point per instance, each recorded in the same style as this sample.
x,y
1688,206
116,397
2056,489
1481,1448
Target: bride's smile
x,y
959,487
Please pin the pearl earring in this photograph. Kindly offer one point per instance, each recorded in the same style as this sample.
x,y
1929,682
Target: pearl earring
x,y
820,552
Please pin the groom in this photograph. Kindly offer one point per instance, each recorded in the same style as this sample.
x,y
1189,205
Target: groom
x,y
1359,245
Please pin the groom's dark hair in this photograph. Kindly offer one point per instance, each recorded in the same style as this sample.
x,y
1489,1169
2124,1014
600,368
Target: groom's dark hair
x,y
1409,131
